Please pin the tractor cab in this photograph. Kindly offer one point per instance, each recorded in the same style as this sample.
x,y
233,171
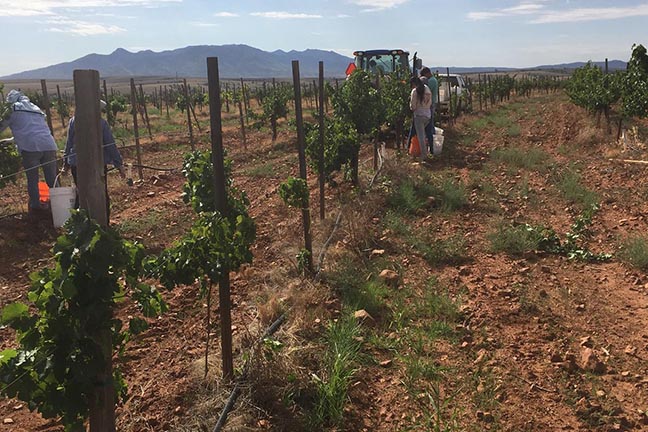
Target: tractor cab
x,y
380,62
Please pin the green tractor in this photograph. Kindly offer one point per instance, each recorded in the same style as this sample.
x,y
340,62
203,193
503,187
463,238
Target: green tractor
x,y
383,61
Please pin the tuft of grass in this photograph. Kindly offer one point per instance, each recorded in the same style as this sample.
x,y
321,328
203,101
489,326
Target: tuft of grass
x,y
357,292
500,119
570,185
513,130
514,240
478,123
485,384
468,138
443,251
141,225
407,198
533,159
369,296
634,251
438,303
266,170
420,367
436,252
453,195
412,196
339,360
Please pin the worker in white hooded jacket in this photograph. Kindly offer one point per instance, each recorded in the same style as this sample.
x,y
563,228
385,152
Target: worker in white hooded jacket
x,y
34,142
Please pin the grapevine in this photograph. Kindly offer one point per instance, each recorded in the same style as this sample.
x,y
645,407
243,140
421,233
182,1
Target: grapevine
x,y
215,241
56,365
294,192
9,157
341,144
592,89
275,106
634,85
395,92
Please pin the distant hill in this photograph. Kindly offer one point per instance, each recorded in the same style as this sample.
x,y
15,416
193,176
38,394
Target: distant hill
x,y
234,61
613,65
470,70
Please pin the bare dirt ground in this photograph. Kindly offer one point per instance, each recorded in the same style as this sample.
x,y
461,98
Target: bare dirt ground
x,y
536,342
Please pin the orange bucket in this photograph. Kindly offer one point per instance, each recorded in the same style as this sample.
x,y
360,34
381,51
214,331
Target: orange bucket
x,y
43,191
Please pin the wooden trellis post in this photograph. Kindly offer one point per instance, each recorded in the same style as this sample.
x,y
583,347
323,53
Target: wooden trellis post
x,y
46,102
146,117
242,120
220,192
138,150
186,97
322,176
301,144
60,105
92,197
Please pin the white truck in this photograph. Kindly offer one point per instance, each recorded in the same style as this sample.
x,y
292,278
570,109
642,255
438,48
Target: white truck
x,y
449,86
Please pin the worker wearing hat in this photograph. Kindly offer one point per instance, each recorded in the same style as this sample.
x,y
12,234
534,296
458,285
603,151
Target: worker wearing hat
x,y
35,143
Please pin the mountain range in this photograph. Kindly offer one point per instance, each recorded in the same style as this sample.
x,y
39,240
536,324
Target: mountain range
x,y
235,61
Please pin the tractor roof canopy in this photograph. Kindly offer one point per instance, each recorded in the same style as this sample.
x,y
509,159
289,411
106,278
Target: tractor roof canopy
x,y
381,61
369,53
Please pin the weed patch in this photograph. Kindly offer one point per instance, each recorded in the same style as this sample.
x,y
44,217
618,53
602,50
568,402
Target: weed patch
x,y
356,291
266,170
569,183
339,360
532,159
451,195
634,251
141,225
406,197
442,251
514,240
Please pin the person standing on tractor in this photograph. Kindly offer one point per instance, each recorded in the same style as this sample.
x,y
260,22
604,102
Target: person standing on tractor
x,y
431,82
35,144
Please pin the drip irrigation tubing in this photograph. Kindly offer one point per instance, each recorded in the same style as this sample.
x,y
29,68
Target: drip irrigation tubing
x,y
236,391
155,168
320,258
10,215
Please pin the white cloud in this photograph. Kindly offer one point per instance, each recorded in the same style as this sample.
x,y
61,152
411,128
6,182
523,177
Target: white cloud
x,y
49,7
521,9
284,15
376,5
591,14
203,24
542,15
225,15
81,28
342,16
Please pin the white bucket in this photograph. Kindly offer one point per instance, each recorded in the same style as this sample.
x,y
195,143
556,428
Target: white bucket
x,y
437,144
438,131
61,201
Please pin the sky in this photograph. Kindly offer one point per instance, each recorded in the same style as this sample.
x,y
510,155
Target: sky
x,y
505,33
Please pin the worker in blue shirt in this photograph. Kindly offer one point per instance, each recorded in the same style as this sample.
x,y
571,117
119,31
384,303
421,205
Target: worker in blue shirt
x,y
35,144
110,152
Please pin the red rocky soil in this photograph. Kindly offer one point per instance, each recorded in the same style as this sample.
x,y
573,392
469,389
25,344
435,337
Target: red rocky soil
x,y
545,343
